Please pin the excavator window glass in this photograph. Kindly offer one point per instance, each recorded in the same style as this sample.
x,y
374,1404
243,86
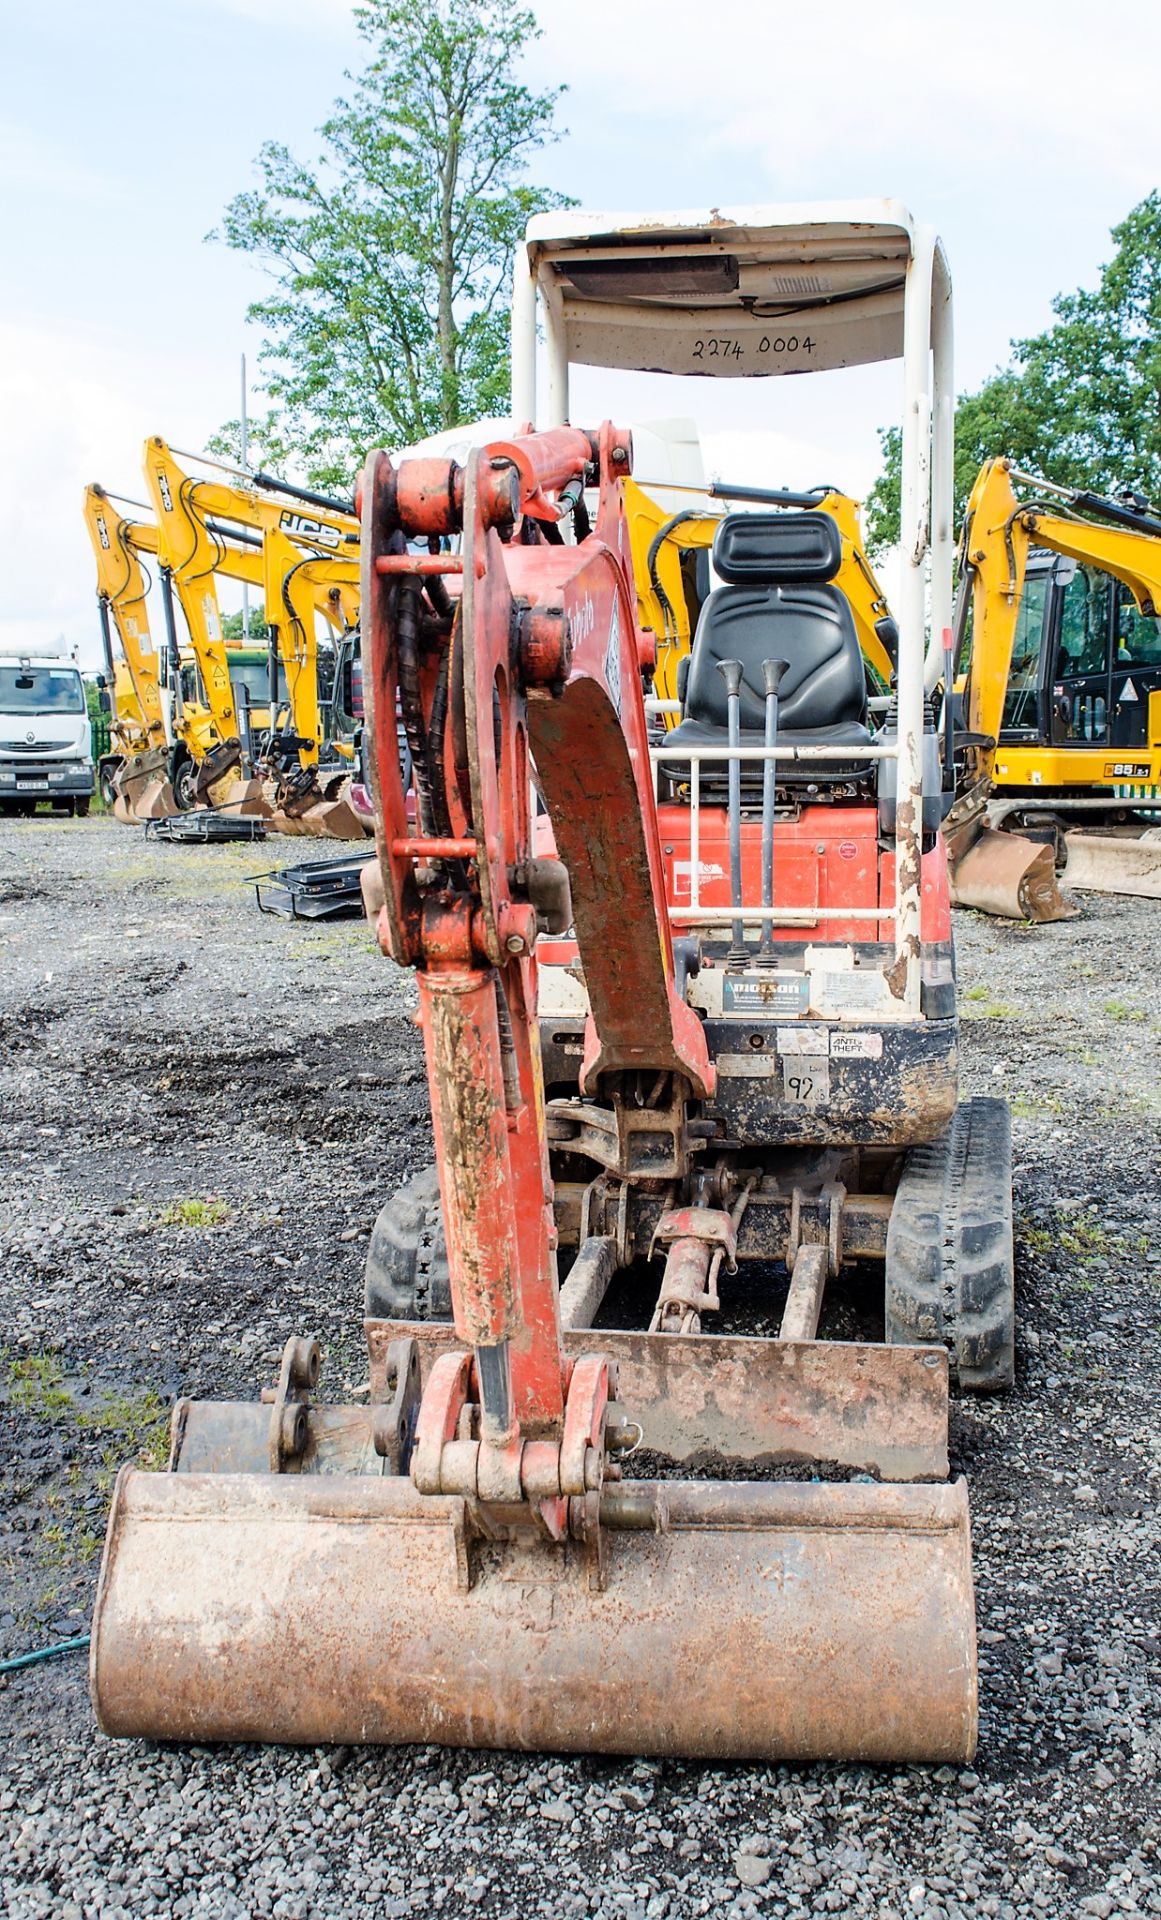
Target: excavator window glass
x,y
1138,635
1022,701
254,675
1084,624
1080,690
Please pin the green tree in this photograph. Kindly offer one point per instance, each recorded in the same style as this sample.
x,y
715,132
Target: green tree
x,y
1082,402
391,257
232,624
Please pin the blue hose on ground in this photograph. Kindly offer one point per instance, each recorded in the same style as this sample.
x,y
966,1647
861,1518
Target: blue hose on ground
x,y
44,1653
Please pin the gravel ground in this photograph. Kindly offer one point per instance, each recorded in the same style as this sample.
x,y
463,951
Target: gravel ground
x,y
201,1109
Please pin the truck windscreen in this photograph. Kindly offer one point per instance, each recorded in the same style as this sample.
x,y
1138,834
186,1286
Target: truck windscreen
x,y
41,690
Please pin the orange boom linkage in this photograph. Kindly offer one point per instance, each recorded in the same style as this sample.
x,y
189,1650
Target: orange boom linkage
x,y
544,660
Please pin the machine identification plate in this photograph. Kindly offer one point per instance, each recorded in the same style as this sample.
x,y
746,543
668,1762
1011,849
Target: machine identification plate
x,y
806,1083
747,1066
776,993
850,991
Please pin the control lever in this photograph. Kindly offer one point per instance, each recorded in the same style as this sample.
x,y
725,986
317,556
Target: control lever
x,y
731,672
772,672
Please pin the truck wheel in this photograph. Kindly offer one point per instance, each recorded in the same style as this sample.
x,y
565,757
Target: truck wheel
x,y
406,1276
950,1267
81,808
185,784
107,781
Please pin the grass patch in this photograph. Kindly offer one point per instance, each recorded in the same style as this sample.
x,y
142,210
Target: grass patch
x,y
193,1213
136,1418
1084,1238
978,993
36,1385
1121,1010
1036,1239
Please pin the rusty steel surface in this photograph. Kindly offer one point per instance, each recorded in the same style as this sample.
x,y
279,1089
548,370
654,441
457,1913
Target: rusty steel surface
x,y
804,1300
765,1226
872,1409
757,1622
1009,876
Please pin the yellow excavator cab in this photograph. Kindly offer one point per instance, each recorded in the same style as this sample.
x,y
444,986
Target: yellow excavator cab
x,y
1059,679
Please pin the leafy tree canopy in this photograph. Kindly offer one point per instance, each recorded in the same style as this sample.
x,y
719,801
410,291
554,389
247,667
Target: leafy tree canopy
x,y
391,256
1082,402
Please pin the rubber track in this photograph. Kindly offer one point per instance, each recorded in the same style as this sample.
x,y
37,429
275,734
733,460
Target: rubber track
x,y
406,1276
949,1267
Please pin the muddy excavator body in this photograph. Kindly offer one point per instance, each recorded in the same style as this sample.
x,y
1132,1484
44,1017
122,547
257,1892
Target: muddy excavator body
x,y
697,1010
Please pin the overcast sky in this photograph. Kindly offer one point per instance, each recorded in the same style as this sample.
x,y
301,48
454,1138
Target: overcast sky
x,y
1023,134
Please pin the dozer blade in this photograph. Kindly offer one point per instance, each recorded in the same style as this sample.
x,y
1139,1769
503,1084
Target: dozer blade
x,y
1010,876
734,1621
1115,863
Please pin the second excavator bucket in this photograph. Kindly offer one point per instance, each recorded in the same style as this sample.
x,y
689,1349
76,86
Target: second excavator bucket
x,y
757,1618
244,797
1010,876
143,790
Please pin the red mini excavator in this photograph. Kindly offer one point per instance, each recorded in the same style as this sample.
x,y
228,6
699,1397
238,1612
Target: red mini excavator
x,y
699,1011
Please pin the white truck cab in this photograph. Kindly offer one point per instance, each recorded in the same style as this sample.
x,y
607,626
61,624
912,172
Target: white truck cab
x,y
46,742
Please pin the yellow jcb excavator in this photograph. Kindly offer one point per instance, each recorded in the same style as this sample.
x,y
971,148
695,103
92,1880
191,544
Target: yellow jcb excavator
x,y
1058,662
159,735
309,565
163,728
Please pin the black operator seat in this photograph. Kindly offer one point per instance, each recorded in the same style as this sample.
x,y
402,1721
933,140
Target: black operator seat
x,y
779,603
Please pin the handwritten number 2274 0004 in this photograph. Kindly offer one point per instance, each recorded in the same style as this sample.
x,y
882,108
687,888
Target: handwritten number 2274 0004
x,y
720,346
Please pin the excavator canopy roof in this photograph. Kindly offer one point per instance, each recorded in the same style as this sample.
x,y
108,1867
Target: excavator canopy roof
x,y
728,292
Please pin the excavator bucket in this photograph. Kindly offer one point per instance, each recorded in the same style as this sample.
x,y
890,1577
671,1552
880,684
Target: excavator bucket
x,y
334,820
1116,863
1010,876
736,1619
143,790
245,798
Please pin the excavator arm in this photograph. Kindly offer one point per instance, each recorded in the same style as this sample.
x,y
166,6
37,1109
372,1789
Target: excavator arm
x,y
118,543
189,555
202,512
539,655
